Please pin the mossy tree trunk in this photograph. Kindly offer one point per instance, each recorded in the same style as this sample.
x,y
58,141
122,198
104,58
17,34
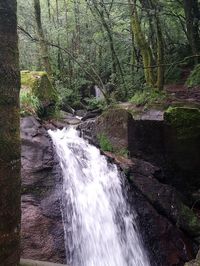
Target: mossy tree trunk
x,y
9,136
160,46
160,56
142,44
43,46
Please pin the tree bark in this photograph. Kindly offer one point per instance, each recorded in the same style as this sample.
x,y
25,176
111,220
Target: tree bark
x,y
160,46
192,16
43,47
9,136
142,45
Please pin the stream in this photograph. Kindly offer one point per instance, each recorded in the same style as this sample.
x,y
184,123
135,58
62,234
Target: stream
x,y
100,229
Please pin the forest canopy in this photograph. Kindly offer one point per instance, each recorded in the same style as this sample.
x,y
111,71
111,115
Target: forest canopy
x,y
121,46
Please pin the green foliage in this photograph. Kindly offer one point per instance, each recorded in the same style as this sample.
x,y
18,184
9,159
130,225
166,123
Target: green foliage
x,y
85,55
29,104
94,103
148,96
194,78
105,143
174,75
123,152
68,96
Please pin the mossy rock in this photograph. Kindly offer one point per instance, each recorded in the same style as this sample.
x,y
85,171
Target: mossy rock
x,y
186,121
194,77
38,84
188,221
112,129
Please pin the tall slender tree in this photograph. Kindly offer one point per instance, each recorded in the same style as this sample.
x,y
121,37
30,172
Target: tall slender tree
x,y
142,44
9,136
43,46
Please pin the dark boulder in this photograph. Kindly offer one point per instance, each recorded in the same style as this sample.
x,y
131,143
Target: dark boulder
x,y
170,140
164,227
162,175
42,236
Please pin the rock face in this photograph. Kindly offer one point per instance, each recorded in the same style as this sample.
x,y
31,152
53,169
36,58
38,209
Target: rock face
x,y
116,130
163,173
171,141
182,148
158,211
42,236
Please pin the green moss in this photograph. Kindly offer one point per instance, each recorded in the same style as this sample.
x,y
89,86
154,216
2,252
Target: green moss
x,y
194,77
189,221
38,85
185,120
105,143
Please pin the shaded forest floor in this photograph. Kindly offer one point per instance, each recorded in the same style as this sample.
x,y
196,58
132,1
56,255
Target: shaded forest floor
x,y
180,93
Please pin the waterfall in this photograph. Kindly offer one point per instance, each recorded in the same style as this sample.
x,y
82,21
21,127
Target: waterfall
x,y
99,228
98,93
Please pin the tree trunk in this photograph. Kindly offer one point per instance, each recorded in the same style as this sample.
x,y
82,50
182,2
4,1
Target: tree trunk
x,y
192,16
116,66
160,46
160,56
143,45
9,136
43,46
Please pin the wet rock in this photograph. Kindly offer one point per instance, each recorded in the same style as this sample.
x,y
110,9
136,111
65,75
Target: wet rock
x,y
81,113
24,262
166,244
170,140
42,235
113,124
91,114
182,148
165,228
167,202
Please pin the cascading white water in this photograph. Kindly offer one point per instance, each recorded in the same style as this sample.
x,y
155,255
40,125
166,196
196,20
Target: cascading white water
x,y
98,93
99,228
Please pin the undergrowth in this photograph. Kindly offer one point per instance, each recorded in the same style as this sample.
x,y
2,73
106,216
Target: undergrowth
x,y
29,104
146,97
105,143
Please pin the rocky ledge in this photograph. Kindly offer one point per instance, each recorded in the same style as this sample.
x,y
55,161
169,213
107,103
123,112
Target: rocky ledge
x,y
162,172
161,176
42,236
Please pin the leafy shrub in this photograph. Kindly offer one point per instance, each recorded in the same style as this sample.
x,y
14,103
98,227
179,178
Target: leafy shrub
x,y
94,103
194,78
29,104
105,143
68,96
148,96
